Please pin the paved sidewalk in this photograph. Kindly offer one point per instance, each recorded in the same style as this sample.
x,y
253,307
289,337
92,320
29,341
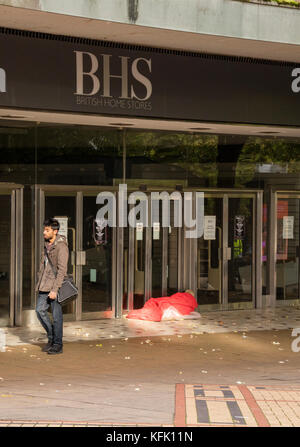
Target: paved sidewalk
x,y
209,323
212,406
135,373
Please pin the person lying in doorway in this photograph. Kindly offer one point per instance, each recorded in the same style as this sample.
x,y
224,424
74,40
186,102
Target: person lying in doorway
x,y
176,306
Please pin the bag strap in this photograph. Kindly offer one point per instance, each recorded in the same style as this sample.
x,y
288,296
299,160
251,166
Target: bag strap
x,y
49,260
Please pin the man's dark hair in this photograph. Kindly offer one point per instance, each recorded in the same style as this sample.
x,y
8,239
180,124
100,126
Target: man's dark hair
x,y
53,223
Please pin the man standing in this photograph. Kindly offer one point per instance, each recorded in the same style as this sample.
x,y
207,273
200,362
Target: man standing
x,y
48,284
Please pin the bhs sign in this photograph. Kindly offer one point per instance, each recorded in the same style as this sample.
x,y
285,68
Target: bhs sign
x,y
93,76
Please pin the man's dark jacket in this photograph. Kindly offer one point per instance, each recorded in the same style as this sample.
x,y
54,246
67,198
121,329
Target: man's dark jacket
x,y
59,255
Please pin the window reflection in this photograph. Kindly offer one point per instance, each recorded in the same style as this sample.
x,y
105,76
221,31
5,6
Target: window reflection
x,y
79,156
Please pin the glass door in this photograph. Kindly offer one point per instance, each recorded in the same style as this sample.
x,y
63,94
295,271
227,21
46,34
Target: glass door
x,y
96,249
174,261
152,256
287,253
158,251
225,252
134,266
138,242
241,253
90,247
11,254
209,252
62,207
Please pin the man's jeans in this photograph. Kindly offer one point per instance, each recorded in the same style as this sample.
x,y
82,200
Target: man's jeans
x,y
55,330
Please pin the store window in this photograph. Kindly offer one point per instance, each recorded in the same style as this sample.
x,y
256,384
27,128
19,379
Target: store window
x,y
59,155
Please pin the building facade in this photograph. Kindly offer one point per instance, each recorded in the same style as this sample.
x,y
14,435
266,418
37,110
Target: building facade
x,y
104,105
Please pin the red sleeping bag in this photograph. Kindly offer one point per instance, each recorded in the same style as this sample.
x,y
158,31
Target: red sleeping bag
x,y
153,310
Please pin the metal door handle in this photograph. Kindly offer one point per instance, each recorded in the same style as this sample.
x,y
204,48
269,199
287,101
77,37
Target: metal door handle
x,y
80,258
225,253
73,257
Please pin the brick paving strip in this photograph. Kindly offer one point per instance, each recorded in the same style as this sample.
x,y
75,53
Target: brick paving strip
x,y
206,405
257,413
179,419
237,406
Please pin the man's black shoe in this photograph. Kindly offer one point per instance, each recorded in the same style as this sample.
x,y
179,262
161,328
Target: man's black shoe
x,y
47,347
56,349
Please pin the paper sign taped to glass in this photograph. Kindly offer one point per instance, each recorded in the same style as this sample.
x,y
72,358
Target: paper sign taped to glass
x,y
210,227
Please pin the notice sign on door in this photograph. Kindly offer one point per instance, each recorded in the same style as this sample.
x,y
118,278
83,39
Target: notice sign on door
x,y
63,226
282,244
210,228
93,275
288,227
139,231
156,229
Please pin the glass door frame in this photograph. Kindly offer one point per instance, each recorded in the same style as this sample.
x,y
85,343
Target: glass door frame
x,y
79,192
187,248
92,191
15,192
187,251
273,231
191,249
148,254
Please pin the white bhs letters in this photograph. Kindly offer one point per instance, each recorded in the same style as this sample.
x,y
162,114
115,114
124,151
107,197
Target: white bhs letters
x,y
87,65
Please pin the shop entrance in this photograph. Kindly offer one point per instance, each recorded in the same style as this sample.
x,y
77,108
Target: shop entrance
x,y
11,242
153,254
115,269
91,249
119,268
223,266
228,255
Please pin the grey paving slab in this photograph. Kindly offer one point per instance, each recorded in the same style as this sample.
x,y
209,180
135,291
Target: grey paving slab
x,y
98,384
210,322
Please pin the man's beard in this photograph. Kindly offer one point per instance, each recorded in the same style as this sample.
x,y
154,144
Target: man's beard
x,y
47,239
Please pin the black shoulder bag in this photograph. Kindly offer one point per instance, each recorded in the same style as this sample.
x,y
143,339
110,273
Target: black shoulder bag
x,y
68,290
